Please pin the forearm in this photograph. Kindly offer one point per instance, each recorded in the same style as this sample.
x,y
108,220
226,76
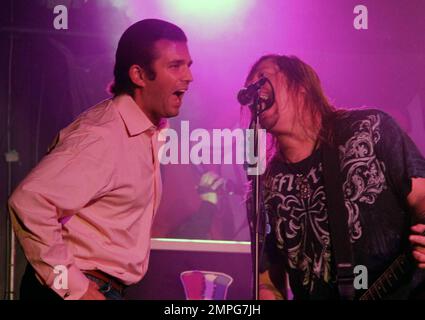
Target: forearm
x,y
416,200
38,230
268,291
78,170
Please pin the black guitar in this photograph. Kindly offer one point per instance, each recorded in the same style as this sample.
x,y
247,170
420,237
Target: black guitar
x,y
391,279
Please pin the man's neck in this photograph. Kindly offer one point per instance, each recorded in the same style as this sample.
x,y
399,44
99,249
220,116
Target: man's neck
x,y
137,97
300,143
295,149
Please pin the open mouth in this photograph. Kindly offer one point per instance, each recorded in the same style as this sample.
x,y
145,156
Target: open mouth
x,y
179,93
267,98
264,95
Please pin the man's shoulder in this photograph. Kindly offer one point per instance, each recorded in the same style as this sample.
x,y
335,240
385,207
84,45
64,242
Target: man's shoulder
x,y
98,120
366,124
351,116
100,114
353,120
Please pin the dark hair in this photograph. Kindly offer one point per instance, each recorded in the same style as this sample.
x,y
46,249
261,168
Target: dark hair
x,y
137,46
302,77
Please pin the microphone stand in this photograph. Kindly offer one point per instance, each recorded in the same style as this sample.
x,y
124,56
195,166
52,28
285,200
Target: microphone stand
x,y
255,125
257,106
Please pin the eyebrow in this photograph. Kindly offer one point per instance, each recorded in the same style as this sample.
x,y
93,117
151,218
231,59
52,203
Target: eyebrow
x,y
181,61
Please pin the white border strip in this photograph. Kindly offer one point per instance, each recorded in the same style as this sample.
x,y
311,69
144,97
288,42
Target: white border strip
x,y
200,245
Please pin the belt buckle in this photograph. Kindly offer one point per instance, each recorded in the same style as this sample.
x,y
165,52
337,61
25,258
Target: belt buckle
x,y
106,287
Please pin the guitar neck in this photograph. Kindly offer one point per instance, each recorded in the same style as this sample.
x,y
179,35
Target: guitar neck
x,y
390,279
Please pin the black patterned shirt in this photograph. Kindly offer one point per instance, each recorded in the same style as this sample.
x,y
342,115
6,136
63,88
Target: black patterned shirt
x,y
377,161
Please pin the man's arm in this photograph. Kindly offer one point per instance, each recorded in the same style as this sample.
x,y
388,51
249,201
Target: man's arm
x,y
416,201
74,173
267,290
93,292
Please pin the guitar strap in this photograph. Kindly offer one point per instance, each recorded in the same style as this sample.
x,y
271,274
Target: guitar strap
x,y
338,222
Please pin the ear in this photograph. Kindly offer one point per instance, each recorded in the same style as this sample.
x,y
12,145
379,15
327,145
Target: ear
x,y
137,75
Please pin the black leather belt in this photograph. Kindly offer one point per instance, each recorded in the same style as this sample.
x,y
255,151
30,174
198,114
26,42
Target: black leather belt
x,y
107,279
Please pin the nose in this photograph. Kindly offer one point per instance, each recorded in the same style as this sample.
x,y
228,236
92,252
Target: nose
x,y
187,76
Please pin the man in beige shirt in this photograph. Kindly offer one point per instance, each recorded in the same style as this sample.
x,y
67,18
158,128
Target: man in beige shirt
x,y
88,206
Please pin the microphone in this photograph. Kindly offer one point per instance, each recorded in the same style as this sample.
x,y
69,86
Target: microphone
x,y
245,95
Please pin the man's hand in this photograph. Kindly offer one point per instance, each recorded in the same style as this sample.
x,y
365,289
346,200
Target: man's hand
x,y
209,187
267,290
417,239
93,292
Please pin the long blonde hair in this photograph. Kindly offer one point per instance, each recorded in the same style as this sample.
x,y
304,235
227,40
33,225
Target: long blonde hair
x,y
301,77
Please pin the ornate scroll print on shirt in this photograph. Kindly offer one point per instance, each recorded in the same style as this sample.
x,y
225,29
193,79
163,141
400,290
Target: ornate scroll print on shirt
x,y
365,178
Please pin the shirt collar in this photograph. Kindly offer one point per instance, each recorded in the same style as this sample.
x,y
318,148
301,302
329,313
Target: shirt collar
x,y
134,118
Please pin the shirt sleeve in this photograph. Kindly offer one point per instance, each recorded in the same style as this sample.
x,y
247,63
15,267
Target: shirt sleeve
x,y
74,173
403,160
